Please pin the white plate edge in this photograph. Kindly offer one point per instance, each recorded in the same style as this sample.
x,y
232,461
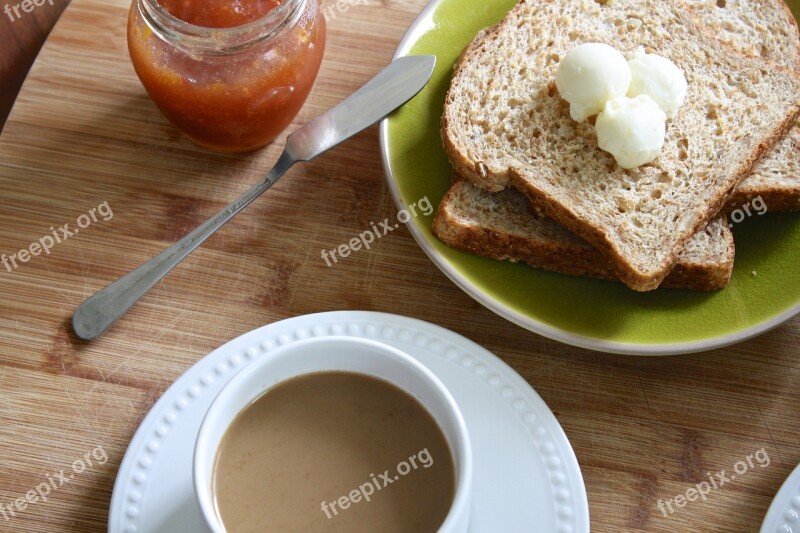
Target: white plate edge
x,y
774,519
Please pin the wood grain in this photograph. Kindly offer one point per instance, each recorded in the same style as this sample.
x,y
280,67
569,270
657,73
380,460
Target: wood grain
x,y
83,132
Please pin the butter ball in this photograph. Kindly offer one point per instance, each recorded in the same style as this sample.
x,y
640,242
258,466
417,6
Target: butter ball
x,y
632,130
660,79
590,75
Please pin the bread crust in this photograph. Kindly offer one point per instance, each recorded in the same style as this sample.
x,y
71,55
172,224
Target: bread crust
x,y
776,201
571,258
476,172
698,277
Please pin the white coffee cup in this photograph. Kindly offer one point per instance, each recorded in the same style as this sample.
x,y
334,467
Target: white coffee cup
x,y
326,354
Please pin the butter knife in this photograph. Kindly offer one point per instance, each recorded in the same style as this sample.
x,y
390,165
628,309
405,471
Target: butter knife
x,y
387,91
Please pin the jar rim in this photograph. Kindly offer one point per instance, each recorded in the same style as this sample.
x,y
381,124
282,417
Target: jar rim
x,y
203,40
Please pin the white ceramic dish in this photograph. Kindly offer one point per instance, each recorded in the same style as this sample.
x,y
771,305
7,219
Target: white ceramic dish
x,y
525,475
783,515
350,354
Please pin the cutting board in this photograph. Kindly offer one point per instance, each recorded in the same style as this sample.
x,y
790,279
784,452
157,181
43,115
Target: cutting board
x,y
85,146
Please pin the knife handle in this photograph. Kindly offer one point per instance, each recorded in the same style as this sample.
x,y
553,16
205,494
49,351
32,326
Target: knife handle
x,y
99,312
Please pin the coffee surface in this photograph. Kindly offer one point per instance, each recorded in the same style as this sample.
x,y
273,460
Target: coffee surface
x,y
334,452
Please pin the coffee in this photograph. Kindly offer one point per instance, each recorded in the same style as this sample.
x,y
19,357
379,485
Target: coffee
x,y
334,452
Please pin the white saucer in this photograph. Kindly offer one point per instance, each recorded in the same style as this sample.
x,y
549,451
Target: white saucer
x,y
526,475
783,515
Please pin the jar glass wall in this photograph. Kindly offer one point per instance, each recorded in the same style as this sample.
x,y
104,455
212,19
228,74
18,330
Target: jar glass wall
x,y
227,87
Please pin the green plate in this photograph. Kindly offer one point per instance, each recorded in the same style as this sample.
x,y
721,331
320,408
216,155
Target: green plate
x,y
599,315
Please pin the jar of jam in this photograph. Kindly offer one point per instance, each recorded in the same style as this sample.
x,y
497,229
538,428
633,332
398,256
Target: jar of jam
x,y
230,74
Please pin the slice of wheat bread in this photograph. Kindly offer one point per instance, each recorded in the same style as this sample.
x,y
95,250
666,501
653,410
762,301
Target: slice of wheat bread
x,y
758,27
504,123
766,29
502,226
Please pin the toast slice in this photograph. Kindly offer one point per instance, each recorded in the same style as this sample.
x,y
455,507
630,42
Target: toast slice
x,y
762,28
502,226
505,124
765,29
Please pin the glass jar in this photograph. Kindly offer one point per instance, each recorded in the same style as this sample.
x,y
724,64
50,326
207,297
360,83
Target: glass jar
x,y
234,88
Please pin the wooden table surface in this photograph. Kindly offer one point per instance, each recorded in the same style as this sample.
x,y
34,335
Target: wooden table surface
x,y
84,134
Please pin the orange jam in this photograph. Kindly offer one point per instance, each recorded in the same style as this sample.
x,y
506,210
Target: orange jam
x,y
219,13
230,74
